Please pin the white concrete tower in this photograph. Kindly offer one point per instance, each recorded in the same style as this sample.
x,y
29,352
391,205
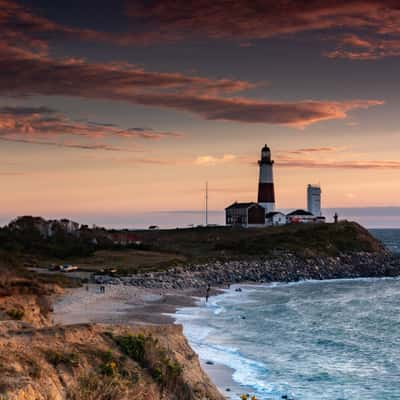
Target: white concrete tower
x,y
314,200
266,192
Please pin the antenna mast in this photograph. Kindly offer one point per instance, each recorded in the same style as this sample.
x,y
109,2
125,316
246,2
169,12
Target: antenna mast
x,y
206,199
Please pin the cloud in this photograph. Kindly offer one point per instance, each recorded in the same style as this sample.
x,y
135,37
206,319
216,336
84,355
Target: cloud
x,y
167,21
300,158
34,124
25,74
63,144
350,164
5,173
246,20
252,20
237,109
202,161
306,158
356,48
20,24
308,150
211,160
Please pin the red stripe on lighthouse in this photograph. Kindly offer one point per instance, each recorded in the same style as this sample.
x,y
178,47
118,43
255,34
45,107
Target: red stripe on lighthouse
x,y
266,193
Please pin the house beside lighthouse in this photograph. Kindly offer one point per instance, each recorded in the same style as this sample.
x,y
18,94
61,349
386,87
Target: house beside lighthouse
x,y
263,213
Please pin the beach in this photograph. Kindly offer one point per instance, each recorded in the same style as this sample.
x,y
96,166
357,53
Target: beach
x,y
129,305
120,304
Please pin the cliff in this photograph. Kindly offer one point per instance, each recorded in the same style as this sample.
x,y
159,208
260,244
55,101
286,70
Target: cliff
x,y
39,361
94,362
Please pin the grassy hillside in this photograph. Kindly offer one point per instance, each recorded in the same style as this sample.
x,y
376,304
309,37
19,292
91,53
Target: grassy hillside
x,y
162,249
317,239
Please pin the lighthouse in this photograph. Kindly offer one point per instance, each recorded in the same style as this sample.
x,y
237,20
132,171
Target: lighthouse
x,y
266,192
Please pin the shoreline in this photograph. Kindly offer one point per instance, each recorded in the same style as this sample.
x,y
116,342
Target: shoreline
x,y
121,304
133,305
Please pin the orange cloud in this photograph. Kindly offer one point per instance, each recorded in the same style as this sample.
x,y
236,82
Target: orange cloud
x,y
162,21
356,48
350,164
245,19
28,124
212,160
24,73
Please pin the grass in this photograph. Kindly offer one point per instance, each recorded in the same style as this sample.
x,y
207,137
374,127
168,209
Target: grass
x,y
95,387
124,260
229,242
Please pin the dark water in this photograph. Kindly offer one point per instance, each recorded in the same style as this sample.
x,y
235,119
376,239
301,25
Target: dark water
x,y
389,237
333,340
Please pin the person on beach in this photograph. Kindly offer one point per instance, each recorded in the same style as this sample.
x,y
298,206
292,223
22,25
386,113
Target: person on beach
x,y
208,292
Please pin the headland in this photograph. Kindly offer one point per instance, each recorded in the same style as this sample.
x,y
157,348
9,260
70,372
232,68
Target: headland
x,y
56,329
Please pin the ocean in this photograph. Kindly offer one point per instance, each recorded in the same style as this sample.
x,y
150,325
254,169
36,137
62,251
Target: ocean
x,y
331,340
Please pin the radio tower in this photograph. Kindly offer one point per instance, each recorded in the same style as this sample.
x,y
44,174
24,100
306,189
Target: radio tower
x,y
266,192
206,204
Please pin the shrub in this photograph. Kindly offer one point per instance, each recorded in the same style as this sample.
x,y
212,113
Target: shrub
x,y
16,314
109,368
133,346
146,351
56,358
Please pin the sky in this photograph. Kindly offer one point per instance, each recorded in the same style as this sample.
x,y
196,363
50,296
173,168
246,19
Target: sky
x,y
118,112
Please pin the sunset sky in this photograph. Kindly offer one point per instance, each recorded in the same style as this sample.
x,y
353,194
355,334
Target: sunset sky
x,y
117,112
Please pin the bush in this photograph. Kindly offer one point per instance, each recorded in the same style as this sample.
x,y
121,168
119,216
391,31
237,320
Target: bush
x,y
148,354
16,314
133,347
56,358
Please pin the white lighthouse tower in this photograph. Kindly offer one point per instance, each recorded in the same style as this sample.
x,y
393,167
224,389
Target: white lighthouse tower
x,y
266,192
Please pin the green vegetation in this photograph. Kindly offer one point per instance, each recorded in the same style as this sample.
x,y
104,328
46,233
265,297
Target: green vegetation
x,y
56,358
133,346
15,314
231,242
124,260
163,249
177,247
146,351
23,237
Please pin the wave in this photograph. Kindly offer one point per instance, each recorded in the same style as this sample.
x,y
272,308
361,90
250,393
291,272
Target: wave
x,y
217,334
248,373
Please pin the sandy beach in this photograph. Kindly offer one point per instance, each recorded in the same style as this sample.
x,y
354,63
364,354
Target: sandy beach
x,y
121,304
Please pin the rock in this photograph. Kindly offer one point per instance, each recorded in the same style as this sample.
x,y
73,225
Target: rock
x,y
280,267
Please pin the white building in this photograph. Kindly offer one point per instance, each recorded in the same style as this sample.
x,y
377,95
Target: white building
x,y
314,200
275,218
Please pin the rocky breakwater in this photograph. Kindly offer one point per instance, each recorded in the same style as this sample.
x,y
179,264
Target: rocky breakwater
x,y
283,268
